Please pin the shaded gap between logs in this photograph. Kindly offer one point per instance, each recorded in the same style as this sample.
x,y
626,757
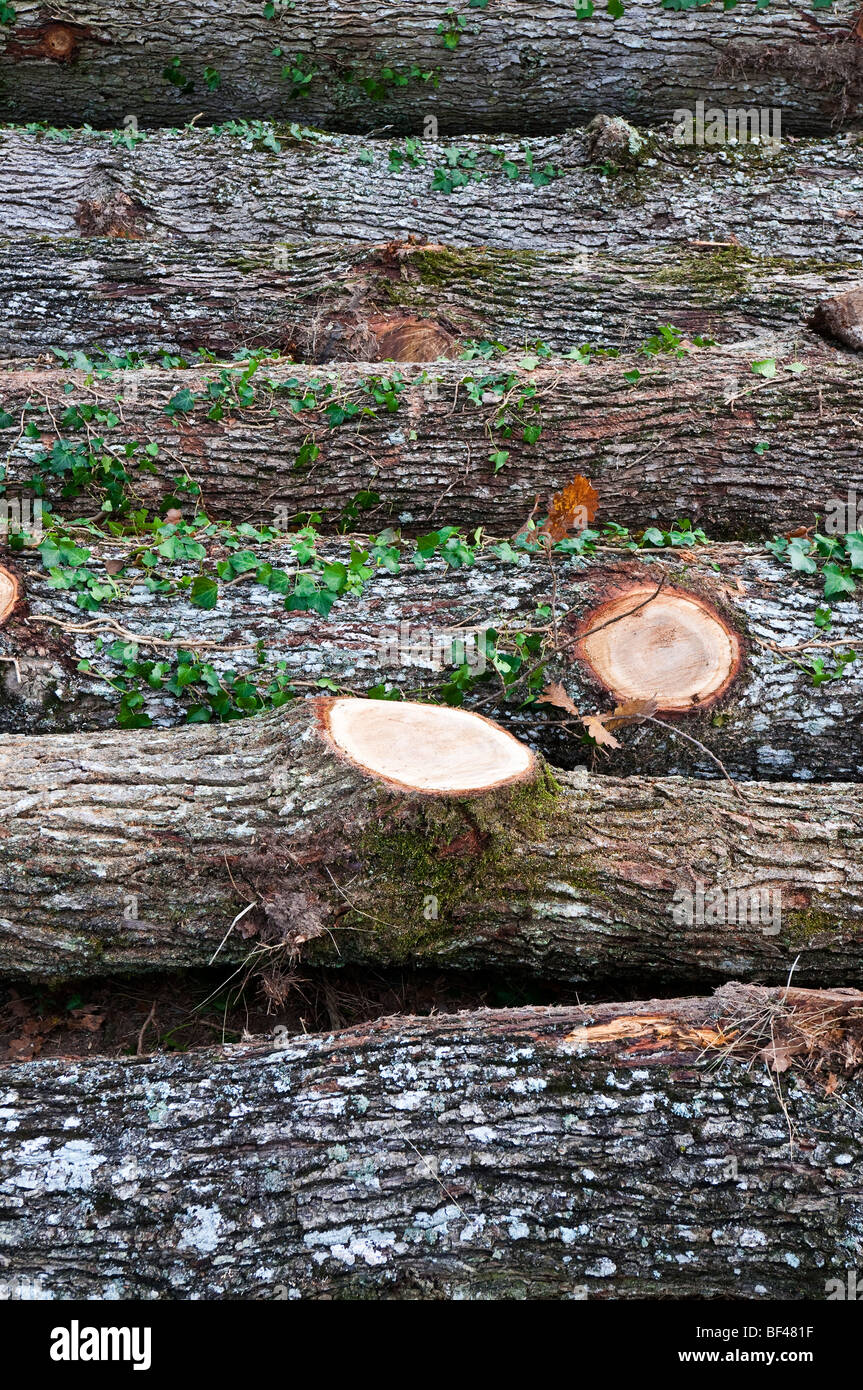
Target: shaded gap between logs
x,y
176,1011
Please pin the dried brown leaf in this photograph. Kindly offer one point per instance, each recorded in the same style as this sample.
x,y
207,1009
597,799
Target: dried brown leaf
x,y
595,726
571,509
778,1055
83,1021
630,712
555,694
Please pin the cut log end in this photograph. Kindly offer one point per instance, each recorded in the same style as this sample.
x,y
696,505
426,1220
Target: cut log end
x,y
8,594
59,43
673,649
402,339
426,748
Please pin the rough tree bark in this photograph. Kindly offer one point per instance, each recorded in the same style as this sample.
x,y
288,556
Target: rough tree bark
x,y
678,442
772,721
400,300
679,1148
224,190
567,1153
511,68
141,852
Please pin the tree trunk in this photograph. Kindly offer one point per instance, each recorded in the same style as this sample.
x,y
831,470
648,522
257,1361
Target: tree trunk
x,y
505,69
680,1148
323,302
678,442
224,190
141,852
772,721
565,1153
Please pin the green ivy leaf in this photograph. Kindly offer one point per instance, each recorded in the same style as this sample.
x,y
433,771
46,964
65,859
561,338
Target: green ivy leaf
x,y
204,592
766,367
837,581
653,536
181,404
799,557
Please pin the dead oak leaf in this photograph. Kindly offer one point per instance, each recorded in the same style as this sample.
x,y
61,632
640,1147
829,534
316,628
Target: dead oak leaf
x,y
777,1057
555,694
595,726
571,509
630,712
84,1021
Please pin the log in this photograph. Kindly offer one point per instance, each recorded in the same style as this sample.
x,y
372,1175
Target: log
x,y
326,301
260,841
502,69
677,442
771,722
223,189
602,1151
9,594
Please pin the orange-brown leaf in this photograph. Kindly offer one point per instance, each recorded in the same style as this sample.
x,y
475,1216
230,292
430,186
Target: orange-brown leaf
x,y
595,725
571,509
84,1021
630,712
555,694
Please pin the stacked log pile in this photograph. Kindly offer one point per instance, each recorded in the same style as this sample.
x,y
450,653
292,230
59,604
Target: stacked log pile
x,y
433,537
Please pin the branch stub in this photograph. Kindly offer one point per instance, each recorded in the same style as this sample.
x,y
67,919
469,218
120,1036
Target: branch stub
x,y
426,748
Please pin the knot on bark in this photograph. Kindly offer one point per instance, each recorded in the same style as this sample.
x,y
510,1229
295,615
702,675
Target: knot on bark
x,y
402,339
841,317
614,139
8,593
292,918
58,42
115,215
380,338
